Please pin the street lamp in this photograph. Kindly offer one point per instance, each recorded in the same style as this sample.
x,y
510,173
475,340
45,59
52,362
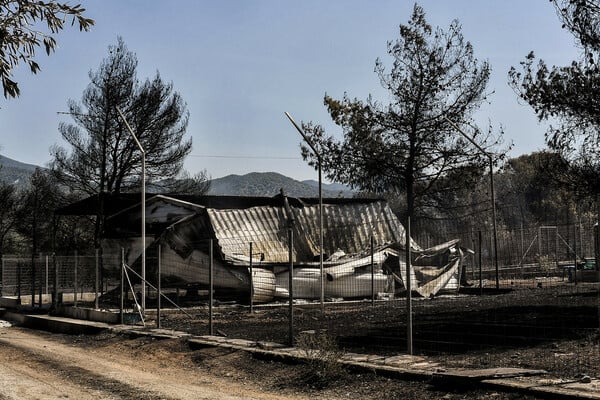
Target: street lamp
x,y
318,155
493,200
143,207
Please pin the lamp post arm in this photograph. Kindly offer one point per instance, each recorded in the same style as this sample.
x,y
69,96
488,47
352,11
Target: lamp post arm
x,y
137,142
304,137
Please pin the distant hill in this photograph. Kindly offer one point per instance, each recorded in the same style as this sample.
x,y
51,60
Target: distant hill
x,y
270,184
16,172
251,184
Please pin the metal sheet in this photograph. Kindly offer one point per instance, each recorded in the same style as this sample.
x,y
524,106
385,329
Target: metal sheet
x,y
346,226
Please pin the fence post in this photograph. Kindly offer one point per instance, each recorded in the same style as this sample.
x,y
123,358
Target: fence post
x,y
121,286
210,288
480,262
372,270
2,276
409,320
41,290
159,294
96,276
251,282
55,289
32,280
575,251
75,282
291,285
19,281
46,275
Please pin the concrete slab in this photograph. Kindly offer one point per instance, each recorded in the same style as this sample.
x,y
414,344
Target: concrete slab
x,y
547,388
487,373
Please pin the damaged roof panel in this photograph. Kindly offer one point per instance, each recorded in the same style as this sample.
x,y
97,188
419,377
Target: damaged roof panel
x,y
345,226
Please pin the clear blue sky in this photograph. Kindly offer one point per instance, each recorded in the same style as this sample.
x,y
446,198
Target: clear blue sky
x,y
240,64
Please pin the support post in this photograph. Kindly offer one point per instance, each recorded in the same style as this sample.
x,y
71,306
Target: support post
x,y
143,209
55,290
372,270
32,280
291,286
409,322
210,289
97,276
75,282
480,264
319,166
251,282
47,270
159,290
122,287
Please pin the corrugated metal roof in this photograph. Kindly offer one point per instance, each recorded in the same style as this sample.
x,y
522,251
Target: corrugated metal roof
x,y
345,226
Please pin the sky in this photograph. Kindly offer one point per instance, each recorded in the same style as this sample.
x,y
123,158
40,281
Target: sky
x,y
240,64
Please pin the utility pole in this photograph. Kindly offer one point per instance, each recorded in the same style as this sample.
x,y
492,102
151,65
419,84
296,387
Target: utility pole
x,y
143,210
318,155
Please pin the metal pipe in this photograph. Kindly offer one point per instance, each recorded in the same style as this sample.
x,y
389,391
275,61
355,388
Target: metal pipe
x,y
291,286
122,286
75,282
158,284
210,288
251,282
97,276
319,164
143,209
372,270
409,320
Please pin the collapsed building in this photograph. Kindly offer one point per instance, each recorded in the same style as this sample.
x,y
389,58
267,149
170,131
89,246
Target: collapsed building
x,y
364,246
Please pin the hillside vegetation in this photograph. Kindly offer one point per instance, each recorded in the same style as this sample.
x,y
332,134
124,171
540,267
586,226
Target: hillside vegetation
x,y
251,184
16,172
270,184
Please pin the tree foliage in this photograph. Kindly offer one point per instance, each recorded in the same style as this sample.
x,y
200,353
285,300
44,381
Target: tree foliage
x,y
567,96
36,211
527,191
410,145
104,156
9,204
20,34
196,185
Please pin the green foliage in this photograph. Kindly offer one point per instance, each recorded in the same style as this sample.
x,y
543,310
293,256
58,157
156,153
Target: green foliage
x,y
196,185
569,94
9,205
36,211
20,34
104,156
410,145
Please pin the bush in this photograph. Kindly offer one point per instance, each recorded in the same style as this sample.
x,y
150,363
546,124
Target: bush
x,y
322,357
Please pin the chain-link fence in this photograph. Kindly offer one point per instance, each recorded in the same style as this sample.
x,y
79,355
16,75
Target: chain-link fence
x,y
540,295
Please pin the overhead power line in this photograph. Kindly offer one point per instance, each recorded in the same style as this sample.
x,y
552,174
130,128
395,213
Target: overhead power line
x,y
245,156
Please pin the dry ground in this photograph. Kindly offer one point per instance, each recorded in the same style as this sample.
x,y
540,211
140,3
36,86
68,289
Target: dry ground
x,y
553,326
39,365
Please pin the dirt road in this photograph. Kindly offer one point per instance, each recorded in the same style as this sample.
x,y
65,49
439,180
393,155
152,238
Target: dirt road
x,y
39,365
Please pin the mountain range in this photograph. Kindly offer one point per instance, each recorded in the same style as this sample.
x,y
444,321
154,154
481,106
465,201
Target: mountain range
x,y
15,172
271,183
251,184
